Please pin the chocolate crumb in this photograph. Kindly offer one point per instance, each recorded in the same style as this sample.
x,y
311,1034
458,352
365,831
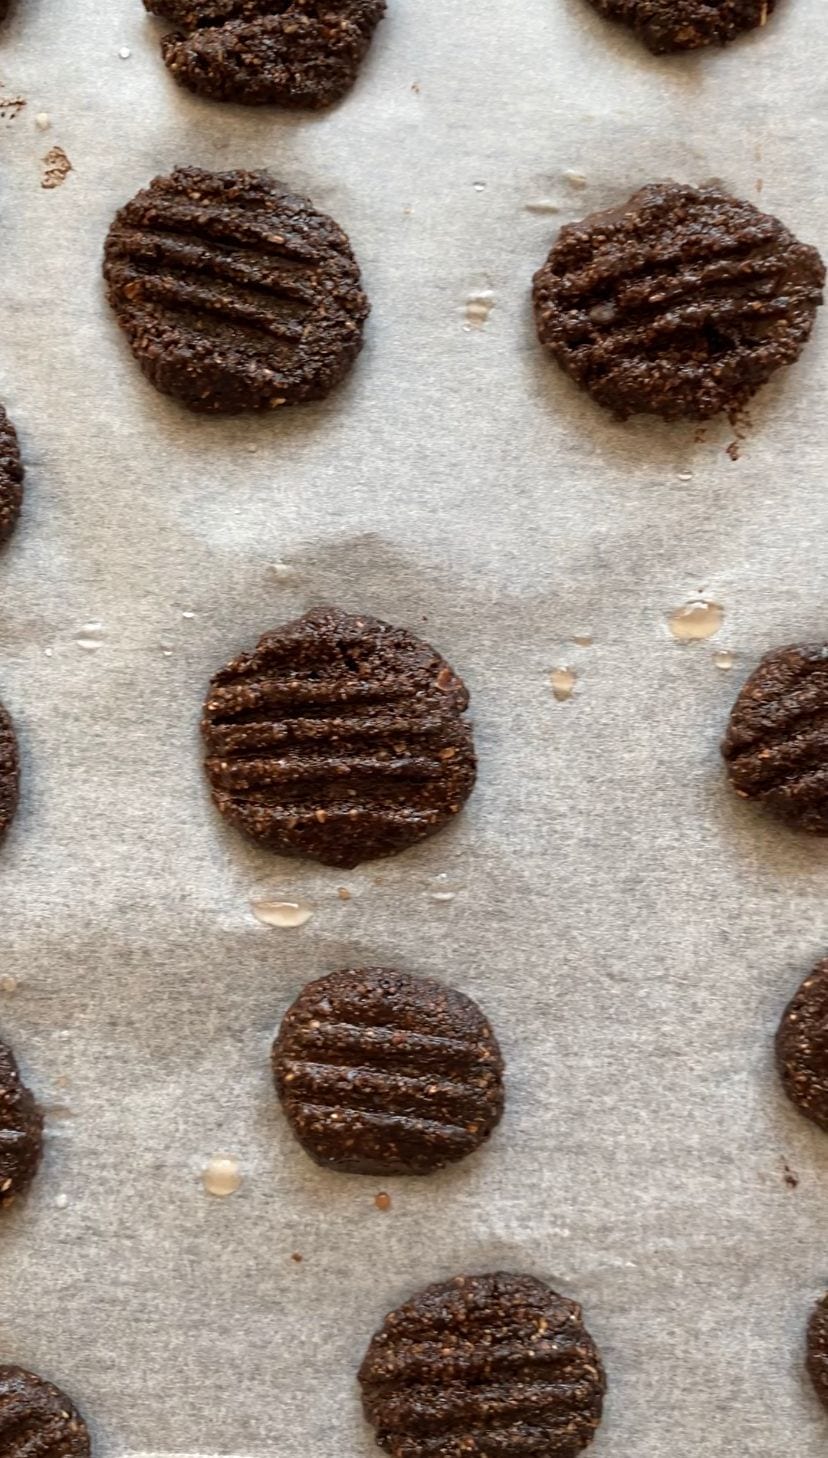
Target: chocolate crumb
x,y
56,168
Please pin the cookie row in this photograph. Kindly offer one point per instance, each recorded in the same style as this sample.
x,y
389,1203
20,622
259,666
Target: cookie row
x,y
236,294
381,1072
342,738
307,53
496,1364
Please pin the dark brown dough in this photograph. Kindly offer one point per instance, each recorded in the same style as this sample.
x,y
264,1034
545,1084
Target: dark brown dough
x,y
494,1366
37,1420
339,738
817,1350
21,1130
11,475
776,746
234,294
685,25
9,772
380,1072
286,52
802,1047
680,303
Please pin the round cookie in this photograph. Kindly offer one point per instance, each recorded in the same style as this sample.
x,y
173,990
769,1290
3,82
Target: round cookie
x,y
11,477
339,738
484,1365
38,1419
686,25
681,303
802,1047
21,1130
285,52
817,1350
9,772
234,294
776,745
379,1072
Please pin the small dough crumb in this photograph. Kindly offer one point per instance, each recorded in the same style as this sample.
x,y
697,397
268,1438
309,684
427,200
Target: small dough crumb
x,y
56,168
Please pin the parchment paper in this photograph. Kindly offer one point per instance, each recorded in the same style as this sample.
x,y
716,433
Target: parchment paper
x,y
632,931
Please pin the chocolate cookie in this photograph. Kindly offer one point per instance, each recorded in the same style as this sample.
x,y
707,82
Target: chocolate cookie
x,y
817,1349
21,1130
685,25
380,1072
339,738
802,1047
37,1420
288,52
776,746
234,294
9,772
680,303
495,1365
11,475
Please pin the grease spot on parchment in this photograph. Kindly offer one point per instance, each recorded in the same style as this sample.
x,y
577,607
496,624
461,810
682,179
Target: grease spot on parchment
x,y
272,908
563,683
221,1176
695,621
479,306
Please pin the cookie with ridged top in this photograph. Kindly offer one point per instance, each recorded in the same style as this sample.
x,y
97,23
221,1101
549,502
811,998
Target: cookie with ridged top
x,y
817,1349
9,771
234,293
802,1047
776,745
381,1072
492,1366
11,477
681,303
297,53
687,25
21,1130
38,1419
340,738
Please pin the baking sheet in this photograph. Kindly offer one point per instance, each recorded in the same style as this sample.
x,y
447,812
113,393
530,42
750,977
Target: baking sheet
x,y
632,931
